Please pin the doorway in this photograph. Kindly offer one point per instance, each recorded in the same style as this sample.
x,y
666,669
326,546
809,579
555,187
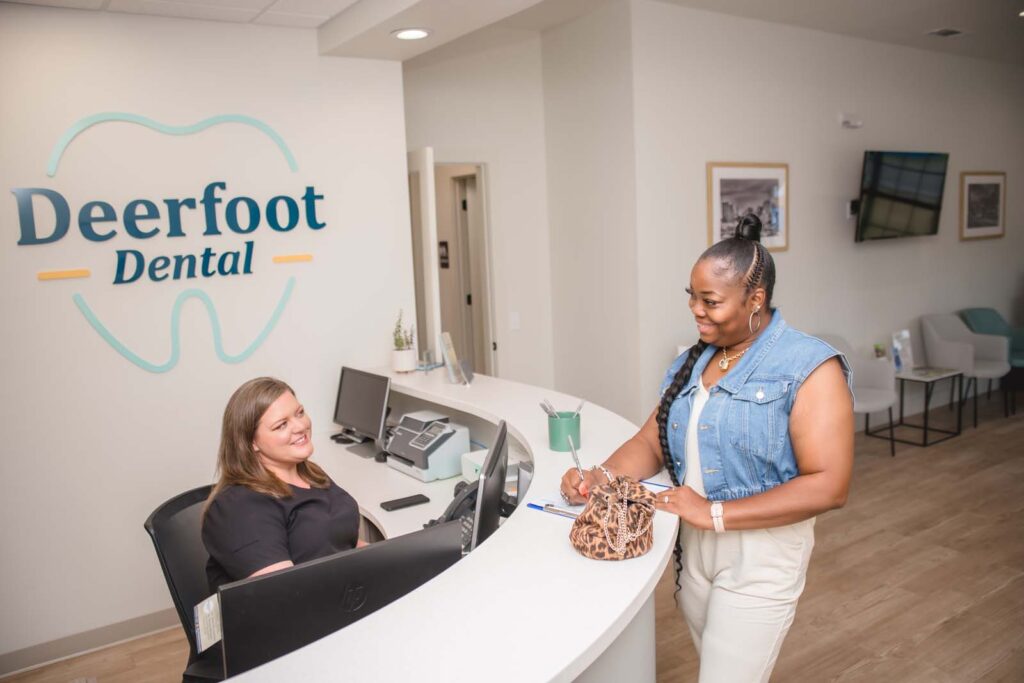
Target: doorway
x,y
452,269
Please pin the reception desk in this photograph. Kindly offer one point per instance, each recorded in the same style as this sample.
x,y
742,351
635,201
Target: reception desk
x,y
524,606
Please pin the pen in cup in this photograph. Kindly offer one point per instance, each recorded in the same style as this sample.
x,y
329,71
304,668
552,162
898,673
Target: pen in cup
x,y
579,408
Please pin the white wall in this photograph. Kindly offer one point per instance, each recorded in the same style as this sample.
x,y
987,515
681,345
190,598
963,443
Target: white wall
x,y
487,107
592,207
712,87
95,443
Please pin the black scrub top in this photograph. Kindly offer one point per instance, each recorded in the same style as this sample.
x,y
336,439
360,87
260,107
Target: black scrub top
x,y
245,531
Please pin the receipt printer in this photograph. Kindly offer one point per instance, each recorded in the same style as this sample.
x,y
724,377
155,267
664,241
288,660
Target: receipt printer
x,y
428,446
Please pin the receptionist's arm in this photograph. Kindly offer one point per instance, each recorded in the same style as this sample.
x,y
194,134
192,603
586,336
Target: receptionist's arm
x,y
639,458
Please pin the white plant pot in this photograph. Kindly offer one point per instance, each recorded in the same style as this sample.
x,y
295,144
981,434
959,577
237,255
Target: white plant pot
x,y
403,361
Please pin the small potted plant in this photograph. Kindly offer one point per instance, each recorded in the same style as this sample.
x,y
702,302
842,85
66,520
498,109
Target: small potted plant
x,y
403,358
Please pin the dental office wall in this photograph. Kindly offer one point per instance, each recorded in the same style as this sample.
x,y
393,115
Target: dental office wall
x,y
94,442
711,87
489,108
640,95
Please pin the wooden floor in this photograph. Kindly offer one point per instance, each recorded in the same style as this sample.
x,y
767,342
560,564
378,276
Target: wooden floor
x,y
920,578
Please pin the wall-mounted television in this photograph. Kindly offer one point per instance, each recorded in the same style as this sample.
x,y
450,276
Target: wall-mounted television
x,y
900,194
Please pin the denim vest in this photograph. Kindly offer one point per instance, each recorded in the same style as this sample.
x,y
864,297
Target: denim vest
x,y
743,433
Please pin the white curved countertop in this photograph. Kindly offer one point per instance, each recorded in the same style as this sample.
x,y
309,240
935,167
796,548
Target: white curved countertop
x,y
524,606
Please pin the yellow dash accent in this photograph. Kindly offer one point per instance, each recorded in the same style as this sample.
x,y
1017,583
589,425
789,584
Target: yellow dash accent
x,y
63,274
293,258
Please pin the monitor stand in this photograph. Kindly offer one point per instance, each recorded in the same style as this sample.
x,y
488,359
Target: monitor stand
x,y
346,437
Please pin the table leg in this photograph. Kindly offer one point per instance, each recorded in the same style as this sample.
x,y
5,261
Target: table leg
x,y
902,384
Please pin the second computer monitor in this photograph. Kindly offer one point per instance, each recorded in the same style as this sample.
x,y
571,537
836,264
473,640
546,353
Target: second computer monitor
x,y
490,488
362,403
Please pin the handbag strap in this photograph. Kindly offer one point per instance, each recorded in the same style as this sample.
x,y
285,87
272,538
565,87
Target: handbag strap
x,y
623,537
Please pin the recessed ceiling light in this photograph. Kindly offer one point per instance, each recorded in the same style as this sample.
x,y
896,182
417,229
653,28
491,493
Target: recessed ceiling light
x,y
945,32
411,33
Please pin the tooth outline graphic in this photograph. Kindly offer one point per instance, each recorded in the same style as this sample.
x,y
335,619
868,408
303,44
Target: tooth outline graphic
x,y
83,124
211,311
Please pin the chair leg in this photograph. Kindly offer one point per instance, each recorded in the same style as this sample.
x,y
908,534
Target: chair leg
x,y
867,423
892,435
1006,399
975,402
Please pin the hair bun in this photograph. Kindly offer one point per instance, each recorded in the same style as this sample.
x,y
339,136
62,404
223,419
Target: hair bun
x,y
749,228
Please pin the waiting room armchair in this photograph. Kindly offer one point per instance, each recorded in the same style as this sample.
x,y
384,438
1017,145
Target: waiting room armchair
x,y
874,386
176,530
989,321
948,343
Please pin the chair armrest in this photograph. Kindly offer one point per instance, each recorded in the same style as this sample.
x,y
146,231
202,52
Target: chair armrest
x,y
873,374
991,347
1017,339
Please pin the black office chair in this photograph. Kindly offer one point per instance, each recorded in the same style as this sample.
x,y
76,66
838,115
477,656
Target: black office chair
x,y
175,528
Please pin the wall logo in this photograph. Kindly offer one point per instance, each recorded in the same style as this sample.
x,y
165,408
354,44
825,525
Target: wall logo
x,y
143,219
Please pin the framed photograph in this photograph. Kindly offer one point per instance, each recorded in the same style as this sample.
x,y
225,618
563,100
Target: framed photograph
x,y
736,189
982,204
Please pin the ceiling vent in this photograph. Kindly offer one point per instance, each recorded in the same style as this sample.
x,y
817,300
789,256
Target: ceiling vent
x,y
945,32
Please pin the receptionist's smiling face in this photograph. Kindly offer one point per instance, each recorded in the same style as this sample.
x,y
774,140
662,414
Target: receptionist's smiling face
x,y
283,434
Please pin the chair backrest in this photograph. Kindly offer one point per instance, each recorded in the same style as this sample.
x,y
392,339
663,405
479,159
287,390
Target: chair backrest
x,y
986,321
945,326
176,530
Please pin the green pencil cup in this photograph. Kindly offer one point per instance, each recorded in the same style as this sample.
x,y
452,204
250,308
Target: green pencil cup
x,y
561,428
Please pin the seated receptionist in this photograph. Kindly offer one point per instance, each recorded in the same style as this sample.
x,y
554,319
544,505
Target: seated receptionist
x,y
271,508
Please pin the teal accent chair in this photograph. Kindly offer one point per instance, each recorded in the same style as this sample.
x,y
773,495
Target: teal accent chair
x,y
990,321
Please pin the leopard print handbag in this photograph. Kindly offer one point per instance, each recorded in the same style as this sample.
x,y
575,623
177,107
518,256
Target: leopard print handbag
x,y
617,522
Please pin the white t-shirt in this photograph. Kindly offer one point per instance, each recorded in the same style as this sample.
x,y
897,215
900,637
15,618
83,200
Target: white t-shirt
x,y
693,477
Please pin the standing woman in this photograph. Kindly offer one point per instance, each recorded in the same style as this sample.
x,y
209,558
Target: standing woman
x,y
755,426
271,508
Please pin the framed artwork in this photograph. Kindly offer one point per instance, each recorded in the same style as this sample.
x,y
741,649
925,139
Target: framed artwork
x,y
736,189
982,204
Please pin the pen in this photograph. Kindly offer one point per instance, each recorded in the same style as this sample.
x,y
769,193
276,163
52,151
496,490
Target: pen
x,y
555,510
575,458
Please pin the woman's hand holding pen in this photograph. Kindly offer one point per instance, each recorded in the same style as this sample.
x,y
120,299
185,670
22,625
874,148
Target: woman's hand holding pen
x,y
575,491
690,506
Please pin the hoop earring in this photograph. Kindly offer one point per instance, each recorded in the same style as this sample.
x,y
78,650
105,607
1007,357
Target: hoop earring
x,y
750,321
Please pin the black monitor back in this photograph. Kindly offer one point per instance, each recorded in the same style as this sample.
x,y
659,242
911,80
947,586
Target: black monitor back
x,y
487,515
268,616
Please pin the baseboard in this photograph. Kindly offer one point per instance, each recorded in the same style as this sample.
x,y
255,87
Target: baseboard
x,y
87,641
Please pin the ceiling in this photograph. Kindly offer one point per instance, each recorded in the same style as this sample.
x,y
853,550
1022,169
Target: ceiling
x,y
991,29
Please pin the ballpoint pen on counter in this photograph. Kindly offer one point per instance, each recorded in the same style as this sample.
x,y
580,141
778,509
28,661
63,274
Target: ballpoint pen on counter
x,y
555,510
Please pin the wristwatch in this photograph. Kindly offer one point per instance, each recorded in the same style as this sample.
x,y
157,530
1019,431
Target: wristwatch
x,y
716,517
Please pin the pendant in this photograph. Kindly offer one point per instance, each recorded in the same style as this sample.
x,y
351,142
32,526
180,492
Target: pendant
x,y
723,363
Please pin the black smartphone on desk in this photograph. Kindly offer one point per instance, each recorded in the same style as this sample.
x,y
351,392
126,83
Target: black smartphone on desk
x,y
408,501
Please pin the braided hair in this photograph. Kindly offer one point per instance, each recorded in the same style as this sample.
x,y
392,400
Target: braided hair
x,y
743,255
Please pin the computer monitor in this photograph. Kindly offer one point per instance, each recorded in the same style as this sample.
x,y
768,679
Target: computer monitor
x,y
268,616
491,486
362,404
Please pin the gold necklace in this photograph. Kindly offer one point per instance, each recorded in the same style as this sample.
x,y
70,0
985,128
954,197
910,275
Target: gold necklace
x,y
724,363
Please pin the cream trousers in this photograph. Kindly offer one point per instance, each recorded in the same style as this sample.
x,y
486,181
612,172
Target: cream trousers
x,y
739,595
